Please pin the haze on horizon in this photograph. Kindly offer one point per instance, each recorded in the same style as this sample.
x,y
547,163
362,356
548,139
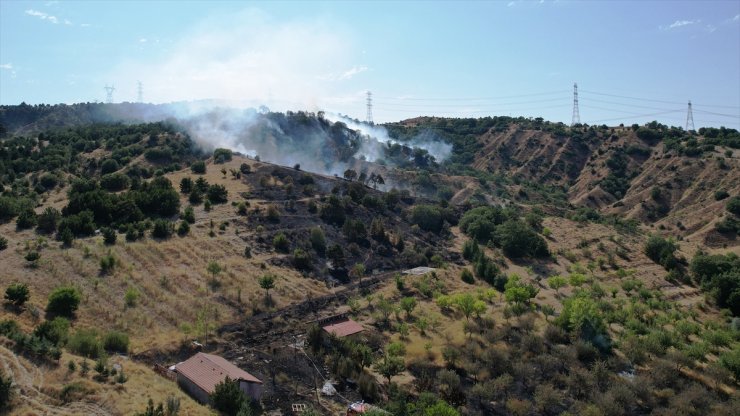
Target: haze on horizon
x,y
633,61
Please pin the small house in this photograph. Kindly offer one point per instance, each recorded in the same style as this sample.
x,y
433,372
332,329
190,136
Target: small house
x,y
340,326
200,374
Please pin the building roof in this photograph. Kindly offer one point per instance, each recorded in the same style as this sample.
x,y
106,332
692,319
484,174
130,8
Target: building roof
x,y
418,271
207,370
343,328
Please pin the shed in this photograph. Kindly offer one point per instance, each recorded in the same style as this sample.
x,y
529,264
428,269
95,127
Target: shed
x,y
200,374
340,326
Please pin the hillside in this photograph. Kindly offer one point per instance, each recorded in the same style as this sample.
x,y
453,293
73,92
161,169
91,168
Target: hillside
x,y
548,292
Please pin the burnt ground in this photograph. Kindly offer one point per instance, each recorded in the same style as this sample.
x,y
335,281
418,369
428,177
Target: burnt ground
x,y
299,205
270,346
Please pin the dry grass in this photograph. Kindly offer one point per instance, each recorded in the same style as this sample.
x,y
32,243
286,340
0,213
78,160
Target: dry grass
x,y
41,388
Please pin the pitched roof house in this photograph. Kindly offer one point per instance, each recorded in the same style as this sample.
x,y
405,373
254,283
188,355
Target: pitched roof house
x,y
200,374
341,326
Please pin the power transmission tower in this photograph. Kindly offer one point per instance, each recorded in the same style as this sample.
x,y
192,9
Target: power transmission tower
x,y
109,93
369,107
690,119
140,90
576,114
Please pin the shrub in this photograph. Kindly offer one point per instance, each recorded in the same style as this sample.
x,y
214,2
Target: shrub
x,y
114,182
64,301
17,294
6,390
48,181
85,342
281,243
318,240
32,256
198,167
301,259
245,168
217,194
3,243
131,297
518,240
162,229
272,214
109,235
221,156
427,217
107,264
661,251
189,215
733,206
109,166
227,397
721,194
467,276
26,219
183,229
471,250
354,230
116,341
186,185
55,331
47,221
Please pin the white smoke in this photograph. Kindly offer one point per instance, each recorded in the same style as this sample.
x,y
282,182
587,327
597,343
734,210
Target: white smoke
x,y
249,58
376,138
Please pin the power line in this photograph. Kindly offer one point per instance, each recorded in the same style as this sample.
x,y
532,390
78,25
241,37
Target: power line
x,y
588,100
623,111
719,114
469,104
636,116
472,98
653,100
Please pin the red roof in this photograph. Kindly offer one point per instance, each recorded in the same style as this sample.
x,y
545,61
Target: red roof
x,y
344,328
206,370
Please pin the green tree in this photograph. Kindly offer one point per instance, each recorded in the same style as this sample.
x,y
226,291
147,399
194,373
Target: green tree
x,y
408,304
350,174
427,217
186,185
390,366
64,301
55,331
109,235
267,282
214,269
48,220
281,243
318,240
227,398
357,272
557,282
465,303
6,390
733,206
198,167
517,292
188,215
17,294
518,240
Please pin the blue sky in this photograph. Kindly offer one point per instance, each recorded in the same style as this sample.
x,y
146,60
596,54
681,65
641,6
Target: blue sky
x,y
633,61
